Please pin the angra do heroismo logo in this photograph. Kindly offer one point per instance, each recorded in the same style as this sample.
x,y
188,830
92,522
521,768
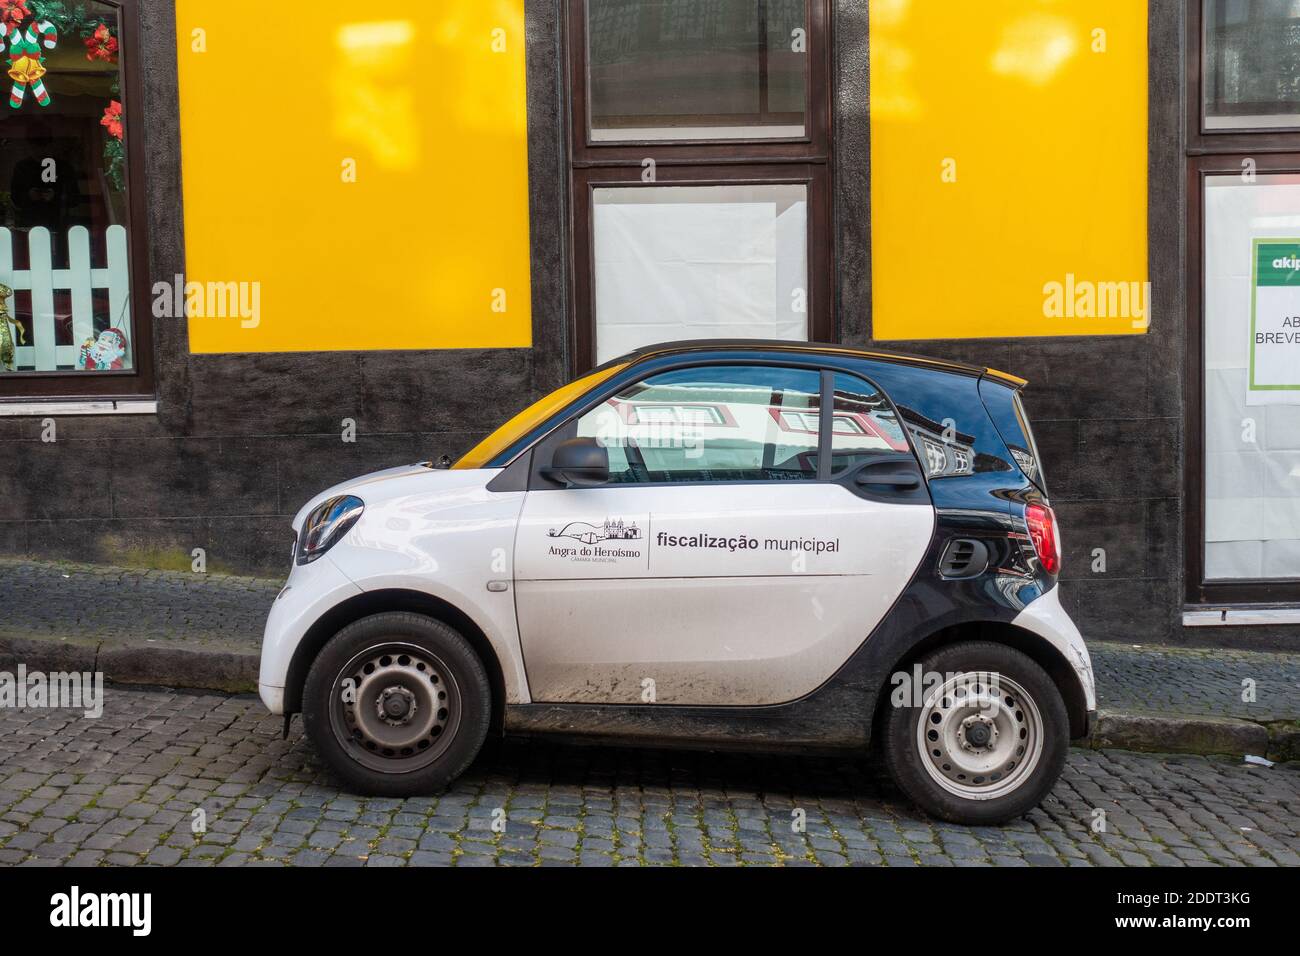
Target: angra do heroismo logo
x,y
611,530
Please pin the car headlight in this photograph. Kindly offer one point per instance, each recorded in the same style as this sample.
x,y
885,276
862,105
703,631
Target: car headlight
x,y
326,526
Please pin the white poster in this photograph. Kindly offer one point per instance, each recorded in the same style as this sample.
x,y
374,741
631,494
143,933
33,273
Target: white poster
x,y
1274,372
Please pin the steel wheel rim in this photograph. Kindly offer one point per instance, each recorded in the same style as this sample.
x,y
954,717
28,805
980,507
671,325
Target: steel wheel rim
x,y
401,710
974,763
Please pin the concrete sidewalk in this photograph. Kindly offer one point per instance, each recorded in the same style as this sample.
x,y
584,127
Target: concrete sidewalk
x,y
176,629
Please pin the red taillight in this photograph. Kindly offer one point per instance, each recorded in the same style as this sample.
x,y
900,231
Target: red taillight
x,y
1042,531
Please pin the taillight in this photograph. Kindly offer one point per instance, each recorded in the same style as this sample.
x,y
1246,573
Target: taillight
x,y
1042,531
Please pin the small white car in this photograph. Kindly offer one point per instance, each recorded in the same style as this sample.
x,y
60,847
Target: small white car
x,y
753,545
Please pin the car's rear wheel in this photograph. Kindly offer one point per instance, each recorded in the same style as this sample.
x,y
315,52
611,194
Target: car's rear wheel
x,y
984,740
397,704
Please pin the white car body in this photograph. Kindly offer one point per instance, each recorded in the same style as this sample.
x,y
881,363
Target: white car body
x,y
748,627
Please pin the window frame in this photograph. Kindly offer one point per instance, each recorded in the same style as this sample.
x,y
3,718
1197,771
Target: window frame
x,y
588,180
754,162
533,463
137,383
1200,138
1199,592
814,141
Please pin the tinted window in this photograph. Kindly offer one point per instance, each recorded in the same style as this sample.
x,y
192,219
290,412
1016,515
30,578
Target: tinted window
x,y
698,69
727,423
864,425
1013,425
1252,64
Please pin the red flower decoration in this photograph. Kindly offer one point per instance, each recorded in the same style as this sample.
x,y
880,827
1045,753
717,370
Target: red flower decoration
x,y
14,12
102,45
112,120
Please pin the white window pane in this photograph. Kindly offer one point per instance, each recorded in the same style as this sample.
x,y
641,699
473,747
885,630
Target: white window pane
x,y
1252,434
694,262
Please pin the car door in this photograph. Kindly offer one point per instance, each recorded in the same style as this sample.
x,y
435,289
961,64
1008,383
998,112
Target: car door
x,y
723,562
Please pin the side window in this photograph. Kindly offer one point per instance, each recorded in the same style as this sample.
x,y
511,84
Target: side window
x,y
725,423
864,425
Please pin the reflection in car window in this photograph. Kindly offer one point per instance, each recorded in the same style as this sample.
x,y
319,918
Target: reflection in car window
x,y
865,425
724,423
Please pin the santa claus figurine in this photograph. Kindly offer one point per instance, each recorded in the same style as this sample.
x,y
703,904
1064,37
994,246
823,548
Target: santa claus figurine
x,y
104,354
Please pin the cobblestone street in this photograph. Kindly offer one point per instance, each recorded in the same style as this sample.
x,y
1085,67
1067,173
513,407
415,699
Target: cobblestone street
x,y
124,789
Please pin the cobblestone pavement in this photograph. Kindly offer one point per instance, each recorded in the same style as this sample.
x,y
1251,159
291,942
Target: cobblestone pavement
x,y
123,789
98,602
112,604
108,604
1196,681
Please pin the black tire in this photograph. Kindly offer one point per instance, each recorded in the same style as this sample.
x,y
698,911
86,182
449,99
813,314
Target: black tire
x,y
427,658
907,760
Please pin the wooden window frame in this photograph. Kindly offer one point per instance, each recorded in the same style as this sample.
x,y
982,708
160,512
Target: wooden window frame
x,y
1201,140
804,160
587,180
1198,590
137,383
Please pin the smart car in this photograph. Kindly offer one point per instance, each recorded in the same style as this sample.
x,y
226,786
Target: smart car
x,y
761,545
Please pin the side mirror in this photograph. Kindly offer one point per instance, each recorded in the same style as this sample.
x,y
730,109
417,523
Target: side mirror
x,y
579,462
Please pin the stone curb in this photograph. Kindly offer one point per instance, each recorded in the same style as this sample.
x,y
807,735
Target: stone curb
x,y
1187,734
204,668
235,671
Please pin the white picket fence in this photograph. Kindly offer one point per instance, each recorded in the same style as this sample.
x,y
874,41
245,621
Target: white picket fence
x,y
41,352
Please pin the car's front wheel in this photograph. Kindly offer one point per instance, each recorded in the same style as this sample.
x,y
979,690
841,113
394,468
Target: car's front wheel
x,y
397,704
983,740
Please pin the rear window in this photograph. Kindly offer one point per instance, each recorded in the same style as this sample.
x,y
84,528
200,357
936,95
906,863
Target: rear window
x,y
1008,414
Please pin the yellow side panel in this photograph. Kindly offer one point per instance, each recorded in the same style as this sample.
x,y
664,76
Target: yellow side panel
x,y
1009,168
423,105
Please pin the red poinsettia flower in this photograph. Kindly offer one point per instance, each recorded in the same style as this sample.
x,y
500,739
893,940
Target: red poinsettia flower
x,y
112,120
102,45
14,12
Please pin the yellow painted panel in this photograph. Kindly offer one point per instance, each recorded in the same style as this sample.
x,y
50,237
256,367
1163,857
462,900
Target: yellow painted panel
x,y
1009,168
428,247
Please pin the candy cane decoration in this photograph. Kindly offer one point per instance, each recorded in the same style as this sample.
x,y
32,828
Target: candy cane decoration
x,y
26,66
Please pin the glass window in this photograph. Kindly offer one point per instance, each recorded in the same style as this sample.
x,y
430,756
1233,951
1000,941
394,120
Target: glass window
x,y
1252,378
64,274
865,425
699,262
730,423
1252,64
696,69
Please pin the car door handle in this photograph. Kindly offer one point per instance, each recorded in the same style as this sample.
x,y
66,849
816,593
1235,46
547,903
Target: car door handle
x,y
903,480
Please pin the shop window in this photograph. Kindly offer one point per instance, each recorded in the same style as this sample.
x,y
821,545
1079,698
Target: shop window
x,y
1252,64
744,436
701,185
69,327
1252,378
696,69
1242,381
676,262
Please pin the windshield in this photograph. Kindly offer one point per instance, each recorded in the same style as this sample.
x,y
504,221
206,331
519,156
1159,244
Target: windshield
x,y
531,417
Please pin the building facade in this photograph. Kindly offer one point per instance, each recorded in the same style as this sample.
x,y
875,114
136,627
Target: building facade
x,y
251,254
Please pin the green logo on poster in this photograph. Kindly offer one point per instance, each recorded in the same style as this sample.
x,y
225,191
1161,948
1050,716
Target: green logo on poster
x,y
1278,263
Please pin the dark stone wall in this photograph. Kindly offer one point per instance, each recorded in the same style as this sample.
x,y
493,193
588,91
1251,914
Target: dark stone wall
x,y
241,441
